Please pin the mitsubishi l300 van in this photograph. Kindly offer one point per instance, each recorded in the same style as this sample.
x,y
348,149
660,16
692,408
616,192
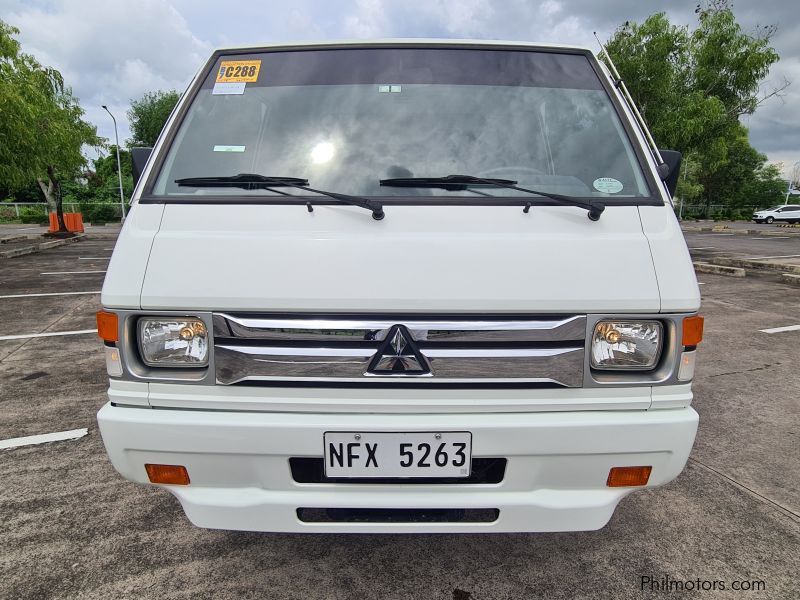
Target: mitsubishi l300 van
x,y
401,286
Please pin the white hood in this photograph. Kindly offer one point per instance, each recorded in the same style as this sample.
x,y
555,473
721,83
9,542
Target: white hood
x,y
431,259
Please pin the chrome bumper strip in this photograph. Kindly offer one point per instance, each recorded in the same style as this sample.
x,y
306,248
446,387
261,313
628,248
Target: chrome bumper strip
x,y
450,330
563,366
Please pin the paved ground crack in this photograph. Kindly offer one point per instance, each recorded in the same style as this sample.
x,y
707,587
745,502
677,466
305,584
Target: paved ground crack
x,y
760,497
765,367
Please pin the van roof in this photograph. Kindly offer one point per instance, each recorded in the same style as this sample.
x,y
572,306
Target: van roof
x,y
411,42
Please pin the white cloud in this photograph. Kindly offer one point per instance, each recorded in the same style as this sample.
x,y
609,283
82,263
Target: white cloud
x,y
367,21
111,52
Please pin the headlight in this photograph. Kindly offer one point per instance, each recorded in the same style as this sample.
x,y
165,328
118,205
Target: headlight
x,y
626,344
173,342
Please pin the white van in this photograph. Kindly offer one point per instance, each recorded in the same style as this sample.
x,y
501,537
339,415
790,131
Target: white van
x,y
401,286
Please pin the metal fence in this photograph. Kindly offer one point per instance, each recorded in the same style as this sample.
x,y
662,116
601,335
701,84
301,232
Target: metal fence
x,y
44,208
715,211
690,211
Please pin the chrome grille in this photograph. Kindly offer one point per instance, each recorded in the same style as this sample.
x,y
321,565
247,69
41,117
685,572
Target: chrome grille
x,y
396,349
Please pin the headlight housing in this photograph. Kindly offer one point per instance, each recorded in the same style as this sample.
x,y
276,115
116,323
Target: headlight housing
x,y
626,345
166,342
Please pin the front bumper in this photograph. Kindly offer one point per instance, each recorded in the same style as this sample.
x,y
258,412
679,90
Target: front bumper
x,y
555,478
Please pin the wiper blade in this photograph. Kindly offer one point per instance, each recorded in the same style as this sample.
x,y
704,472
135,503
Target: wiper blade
x,y
252,181
451,182
248,181
460,182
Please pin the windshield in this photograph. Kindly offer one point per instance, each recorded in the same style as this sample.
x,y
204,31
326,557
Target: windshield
x,y
346,118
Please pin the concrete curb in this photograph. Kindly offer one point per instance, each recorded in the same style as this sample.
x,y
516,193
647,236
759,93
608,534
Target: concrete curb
x,y
718,269
103,236
41,246
734,231
20,236
757,265
790,278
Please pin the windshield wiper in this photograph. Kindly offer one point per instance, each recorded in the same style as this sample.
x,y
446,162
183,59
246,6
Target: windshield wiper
x,y
461,182
252,181
247,181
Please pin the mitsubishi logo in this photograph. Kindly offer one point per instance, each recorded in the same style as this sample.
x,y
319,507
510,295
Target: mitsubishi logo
x,y
398,355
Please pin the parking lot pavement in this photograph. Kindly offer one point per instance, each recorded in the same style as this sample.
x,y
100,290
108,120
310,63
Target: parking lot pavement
x,y
72,528
8,229
690,225
773,248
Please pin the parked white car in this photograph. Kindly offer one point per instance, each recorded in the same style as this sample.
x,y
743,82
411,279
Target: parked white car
x,y
401,286
787,212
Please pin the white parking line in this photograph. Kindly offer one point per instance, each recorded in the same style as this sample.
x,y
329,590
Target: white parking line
x,y
703,248
94,258
58,436
766,257
781,329
70,272
776,237
26,336
49,294
721,234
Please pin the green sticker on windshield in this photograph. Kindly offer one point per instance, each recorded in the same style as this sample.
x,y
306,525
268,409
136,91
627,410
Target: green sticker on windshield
x,y
607,185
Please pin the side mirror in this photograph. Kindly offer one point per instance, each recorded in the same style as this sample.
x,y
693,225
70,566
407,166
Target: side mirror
x,y
670,169
139,158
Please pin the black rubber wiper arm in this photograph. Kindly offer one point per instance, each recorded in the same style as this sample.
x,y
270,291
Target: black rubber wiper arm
x,y
253,181
373,205
460,182
247,181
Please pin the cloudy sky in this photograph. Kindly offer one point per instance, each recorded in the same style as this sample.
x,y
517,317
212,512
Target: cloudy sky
x,y
113,50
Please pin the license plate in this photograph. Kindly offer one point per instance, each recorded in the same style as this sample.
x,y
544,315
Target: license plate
x,y
363,454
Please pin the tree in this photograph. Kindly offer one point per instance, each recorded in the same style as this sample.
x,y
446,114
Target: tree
x,y
693,86
794,176
767,188
42,131
103,182
148,115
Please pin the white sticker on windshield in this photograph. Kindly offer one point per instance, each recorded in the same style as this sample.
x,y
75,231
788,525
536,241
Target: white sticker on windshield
x,y
229,148
222,87
607,185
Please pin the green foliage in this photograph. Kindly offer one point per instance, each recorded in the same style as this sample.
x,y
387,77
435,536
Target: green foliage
x,y
148,115
692,86
33,216
102,183
7,213
766,189
41,123
100,213
689,189
41,126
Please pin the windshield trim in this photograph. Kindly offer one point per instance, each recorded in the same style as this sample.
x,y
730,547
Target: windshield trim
x,y
163,145
397,200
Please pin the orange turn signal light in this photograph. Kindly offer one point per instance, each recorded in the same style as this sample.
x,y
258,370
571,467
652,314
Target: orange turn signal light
x,y
107,326
169,474
628,476
693,330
